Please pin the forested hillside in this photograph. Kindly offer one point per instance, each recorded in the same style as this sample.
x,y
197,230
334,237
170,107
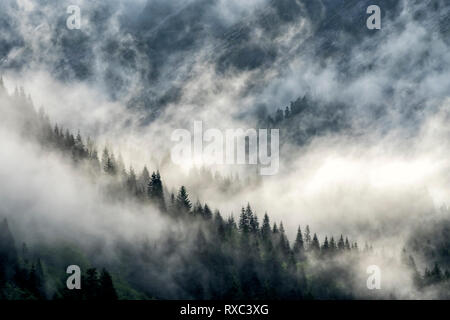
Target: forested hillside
x,y
202,254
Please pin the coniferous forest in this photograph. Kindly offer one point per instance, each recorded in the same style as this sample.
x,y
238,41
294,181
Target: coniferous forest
x,y
217,256
345,101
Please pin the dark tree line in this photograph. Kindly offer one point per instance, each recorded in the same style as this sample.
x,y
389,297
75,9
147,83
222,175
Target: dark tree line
x,y
94,286
22,277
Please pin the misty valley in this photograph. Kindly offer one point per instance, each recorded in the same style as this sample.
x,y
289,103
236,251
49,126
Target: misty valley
x,y
215,256
231,151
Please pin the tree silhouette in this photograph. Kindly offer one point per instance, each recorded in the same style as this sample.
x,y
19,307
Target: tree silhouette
x,y
107,290
182,202
155,191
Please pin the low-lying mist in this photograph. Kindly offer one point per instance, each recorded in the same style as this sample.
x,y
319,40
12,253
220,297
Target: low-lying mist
x,y
377,177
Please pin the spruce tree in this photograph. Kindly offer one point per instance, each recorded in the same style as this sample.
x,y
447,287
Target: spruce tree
x,y
341,244
197,209
207,214
298,244
231,224
265,229
107,290
244,223
143,181
108,164
182,202
8,253
284,242
315,245
220,225
325,246
253,223
132,182
307,238
92,285
347,244
332,244
275,228
155,191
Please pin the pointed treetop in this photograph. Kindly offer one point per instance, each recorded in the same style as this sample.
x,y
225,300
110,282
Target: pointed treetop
x,y
275,228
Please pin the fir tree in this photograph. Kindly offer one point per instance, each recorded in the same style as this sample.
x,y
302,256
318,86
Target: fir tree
x,y
92,284
197,210
265,229
8,253
182,202
155,191
108,164
143,180
107,290
207,214
347,244
307,238
284,242
332,244
132,182
325,246
275,228
315,245
298,244
341,244
244,221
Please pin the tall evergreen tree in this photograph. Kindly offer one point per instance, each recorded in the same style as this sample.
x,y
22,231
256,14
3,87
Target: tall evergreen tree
x,y
132,182
108,162
341,244
107,290
92,285
325,246
8,251
347,244
207,214
144,179
253,220
307,238
275,228
197,209
265,229
155,191
298,244
182,202
231,224
332,244
220,225
244,221
315,245
284,242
